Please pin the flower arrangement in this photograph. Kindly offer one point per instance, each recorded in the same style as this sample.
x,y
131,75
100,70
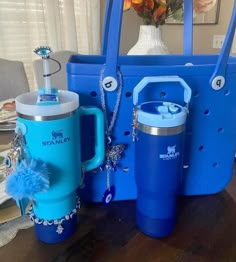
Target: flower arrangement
x,y
155,12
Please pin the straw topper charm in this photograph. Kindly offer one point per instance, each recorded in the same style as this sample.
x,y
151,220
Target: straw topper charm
x,y
43,51
47,94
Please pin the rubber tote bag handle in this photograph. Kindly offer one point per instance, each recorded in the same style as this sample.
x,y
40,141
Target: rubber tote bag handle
x,y
107,18
111,41
188,27
217,80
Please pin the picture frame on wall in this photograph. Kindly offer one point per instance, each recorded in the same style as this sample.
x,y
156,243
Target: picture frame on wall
x,y
210,17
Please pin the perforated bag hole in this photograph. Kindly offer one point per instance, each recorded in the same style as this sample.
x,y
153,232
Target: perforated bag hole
x,y
201,148
128,94
227,92
93,93
162,94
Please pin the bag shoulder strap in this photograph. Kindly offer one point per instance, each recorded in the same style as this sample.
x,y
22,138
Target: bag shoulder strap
x,y
106,24
188,27
111,40
217,80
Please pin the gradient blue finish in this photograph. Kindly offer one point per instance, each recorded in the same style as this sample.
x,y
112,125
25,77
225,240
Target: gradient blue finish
x,y
209,164
158,182
63,157
57,143
158,159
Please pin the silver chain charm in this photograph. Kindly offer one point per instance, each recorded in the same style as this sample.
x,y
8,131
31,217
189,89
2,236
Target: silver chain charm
x,y
134,124
16,153
113,152
110,126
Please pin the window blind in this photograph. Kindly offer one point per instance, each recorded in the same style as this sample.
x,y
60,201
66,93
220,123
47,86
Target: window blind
x,y
62,24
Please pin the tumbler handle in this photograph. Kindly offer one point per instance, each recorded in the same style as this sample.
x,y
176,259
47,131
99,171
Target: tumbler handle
x,y
161,79
99,136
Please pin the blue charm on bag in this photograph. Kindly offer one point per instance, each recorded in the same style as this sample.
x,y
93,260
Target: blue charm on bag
x,y
108,195
113,156
113,152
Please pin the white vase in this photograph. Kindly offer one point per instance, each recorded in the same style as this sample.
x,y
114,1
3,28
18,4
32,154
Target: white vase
x,y
149,42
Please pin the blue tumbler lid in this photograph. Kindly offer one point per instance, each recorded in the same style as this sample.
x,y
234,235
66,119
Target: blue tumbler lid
x,y
161,114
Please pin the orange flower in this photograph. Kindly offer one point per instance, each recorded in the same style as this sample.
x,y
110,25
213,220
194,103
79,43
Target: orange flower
x,y
144,6
155,12
129,3
159,12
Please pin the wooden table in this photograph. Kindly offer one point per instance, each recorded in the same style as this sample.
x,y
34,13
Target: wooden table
x,y
205,231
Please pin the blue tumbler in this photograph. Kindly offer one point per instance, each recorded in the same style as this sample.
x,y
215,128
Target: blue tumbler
x,y
159,140
52,135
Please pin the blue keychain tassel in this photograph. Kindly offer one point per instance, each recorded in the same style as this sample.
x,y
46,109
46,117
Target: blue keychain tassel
x,y
29,178
25,176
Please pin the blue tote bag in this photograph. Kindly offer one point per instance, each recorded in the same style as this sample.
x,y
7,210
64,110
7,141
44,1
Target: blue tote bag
x,y
108,80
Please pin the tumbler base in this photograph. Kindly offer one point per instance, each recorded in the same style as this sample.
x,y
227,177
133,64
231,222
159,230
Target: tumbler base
x,y
155,227
54,233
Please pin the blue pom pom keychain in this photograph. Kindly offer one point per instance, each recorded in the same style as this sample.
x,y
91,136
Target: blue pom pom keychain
x,y
29,178
25,176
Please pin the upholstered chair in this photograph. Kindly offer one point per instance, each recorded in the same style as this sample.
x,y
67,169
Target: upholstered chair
x,y
13,79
